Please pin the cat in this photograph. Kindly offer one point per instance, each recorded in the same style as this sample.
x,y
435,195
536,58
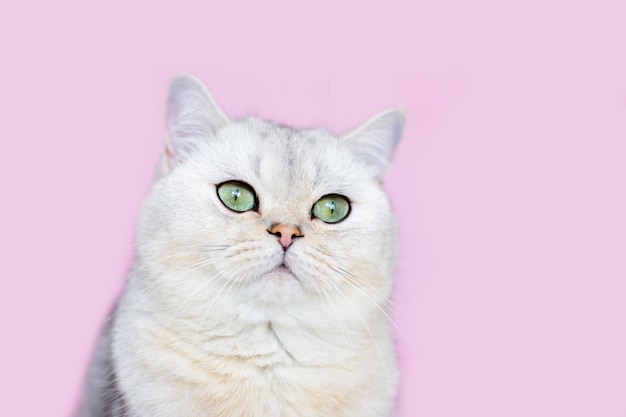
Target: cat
x,y
264,267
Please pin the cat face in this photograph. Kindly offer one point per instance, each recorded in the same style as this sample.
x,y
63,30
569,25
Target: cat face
x,y
267,213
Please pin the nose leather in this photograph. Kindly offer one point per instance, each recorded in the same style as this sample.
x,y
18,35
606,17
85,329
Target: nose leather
x,y
286,233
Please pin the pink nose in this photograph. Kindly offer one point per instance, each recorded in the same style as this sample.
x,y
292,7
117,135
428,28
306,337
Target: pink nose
x,y
286,233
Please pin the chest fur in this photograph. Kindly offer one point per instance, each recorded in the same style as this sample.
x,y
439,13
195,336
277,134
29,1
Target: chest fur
x,y
259,371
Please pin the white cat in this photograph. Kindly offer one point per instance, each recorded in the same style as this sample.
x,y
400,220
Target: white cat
x,y
265,258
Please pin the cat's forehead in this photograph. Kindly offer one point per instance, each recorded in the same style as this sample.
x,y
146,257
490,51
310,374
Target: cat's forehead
x,y
272,155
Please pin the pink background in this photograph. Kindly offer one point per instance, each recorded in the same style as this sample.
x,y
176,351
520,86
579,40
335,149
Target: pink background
x,y
509,185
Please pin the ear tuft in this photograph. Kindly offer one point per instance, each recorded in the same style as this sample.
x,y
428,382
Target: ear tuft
x,y
375,141
192,117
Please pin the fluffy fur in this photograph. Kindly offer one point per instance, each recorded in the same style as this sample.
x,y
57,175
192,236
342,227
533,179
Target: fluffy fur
x,y
210,325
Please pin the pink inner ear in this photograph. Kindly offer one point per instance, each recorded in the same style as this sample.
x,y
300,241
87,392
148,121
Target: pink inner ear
x,y
168,157
375,141
192,116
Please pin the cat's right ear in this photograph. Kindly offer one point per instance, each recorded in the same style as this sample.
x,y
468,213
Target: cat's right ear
x,y
192,117
375,141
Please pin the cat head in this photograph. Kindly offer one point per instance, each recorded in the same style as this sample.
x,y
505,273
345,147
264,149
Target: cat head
x,y
264,212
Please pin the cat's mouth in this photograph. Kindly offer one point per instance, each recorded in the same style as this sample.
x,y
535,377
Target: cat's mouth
x,y
284,269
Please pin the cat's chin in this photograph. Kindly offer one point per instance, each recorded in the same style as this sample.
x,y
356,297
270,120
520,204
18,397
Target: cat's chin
x,y
279,286
282,272
282,277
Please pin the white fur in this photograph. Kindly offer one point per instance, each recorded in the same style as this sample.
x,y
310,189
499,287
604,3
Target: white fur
x,y
208,326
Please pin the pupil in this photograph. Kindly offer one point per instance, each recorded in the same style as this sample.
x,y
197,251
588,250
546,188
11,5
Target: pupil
x,y
331,206
236,193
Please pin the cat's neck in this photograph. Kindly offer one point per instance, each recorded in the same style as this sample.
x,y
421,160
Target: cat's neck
x,y
310,334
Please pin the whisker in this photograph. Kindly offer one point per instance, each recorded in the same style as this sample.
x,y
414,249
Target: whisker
x,y
200,264
342,325
149,287
387,299
232,284
332,255
351,280
187,299
206,311
380,354
356,287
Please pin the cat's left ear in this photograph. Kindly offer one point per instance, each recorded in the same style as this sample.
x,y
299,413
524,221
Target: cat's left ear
x,y
375,141
192,117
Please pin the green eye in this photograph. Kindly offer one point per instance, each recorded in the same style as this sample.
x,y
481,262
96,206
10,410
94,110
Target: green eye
x,y
237,196
331,208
